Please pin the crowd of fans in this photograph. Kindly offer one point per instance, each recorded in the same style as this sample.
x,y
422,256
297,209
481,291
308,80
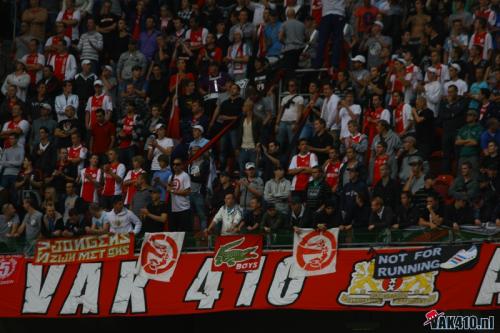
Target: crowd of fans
x,y
106,104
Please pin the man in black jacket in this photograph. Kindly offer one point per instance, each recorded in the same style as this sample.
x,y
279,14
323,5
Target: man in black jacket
x,y
381,216
300,215
452,118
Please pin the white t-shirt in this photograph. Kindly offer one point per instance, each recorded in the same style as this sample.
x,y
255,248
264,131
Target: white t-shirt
x,y
292,112
329,111
460,84
181,182
164,143
345,117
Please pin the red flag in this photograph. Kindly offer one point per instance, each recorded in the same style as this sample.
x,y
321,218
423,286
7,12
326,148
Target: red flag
x,y
174,122
261,52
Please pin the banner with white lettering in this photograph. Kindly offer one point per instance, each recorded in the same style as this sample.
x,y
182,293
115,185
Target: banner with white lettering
x,y
113,288
238,253
159,255
315,251
84,249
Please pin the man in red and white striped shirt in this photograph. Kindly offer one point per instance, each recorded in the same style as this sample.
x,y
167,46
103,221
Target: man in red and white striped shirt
x,y
129,183
90,178
114,172
301,168
99,101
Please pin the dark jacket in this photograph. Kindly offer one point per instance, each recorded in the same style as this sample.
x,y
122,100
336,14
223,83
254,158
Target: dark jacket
x,y
452,115
389,192
407,217
385,221
331,220
256,130
303,220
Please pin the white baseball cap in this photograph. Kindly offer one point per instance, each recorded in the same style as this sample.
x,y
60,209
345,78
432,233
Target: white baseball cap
x,y
456,66
359,58
380,24
86,62
158,126
432,70
98,83
249,165
199,127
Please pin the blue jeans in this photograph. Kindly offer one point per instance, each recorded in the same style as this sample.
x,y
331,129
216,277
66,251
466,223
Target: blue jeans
x,y
307,131
198,203
246,155
331,26
228,143
285,133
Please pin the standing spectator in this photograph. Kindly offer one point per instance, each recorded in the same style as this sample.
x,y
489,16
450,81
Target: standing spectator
x,y
31,225
317,192
129,134
114,172
155,213
70,16
356,140
249,136
238,55
465,183
424,126
380,158
386,134
468,139
17,125
179,187
321,142
131,180
375,43
277,191
91,44
67,127
433,90
199,171
290,111
160,177
161,145
128,60
36,17
225,186
301,168
83,85
387,187
147,39
348,112
67,98
406,213
11,162
102,135
71,201
90,179
63,63
331,28
20,79
34,62
352,190
142,196
99,101
249,187
292,34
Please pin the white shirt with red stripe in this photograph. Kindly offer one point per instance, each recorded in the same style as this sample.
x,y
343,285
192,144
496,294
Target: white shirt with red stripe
x,y
131,189
24,125
88,192
102,101
111,187
33,59
443,74
71,31
197,38
300,181
488,14
482,39
332,173
78,152
402,117
64,66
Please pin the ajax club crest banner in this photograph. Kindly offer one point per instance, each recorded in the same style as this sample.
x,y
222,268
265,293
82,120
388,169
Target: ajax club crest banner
x,y
159,255
237,253
424,279
315,252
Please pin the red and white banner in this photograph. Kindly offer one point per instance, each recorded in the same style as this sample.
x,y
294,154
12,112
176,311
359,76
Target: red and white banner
x,y
160,253
315,252
10,268
112,288
237,253
84,249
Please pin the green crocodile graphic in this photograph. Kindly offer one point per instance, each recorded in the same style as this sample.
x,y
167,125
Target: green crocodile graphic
x,y
230,256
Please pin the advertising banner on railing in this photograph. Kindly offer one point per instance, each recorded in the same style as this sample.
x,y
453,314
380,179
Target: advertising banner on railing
x,y
237,253
387,279
84,249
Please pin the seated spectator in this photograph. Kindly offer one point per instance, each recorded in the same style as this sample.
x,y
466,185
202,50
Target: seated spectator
x,y
433,214
406,213
224,187
53,225
387,188
253,217
160,177
330,216
381,216
300,215
273,220
380,158
142,195
121,220
99,221
458,213
359,216
409,150
491,134
466,183
416,178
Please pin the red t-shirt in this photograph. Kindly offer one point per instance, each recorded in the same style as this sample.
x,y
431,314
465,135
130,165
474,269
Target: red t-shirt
x,y
102,137
366,17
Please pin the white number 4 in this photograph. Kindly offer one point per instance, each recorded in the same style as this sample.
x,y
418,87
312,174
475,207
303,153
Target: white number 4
x,y
205,287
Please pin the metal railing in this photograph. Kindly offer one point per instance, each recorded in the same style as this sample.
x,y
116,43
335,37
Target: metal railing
x,y
283,239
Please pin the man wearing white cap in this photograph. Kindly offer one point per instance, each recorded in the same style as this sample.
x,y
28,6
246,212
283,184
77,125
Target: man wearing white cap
x,y
455,80
374,45
249,187
238,55
433,91
99,101
442,72
359,74
198,139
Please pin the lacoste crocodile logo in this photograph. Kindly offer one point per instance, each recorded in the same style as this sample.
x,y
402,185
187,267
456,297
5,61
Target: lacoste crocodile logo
x,y
229,255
